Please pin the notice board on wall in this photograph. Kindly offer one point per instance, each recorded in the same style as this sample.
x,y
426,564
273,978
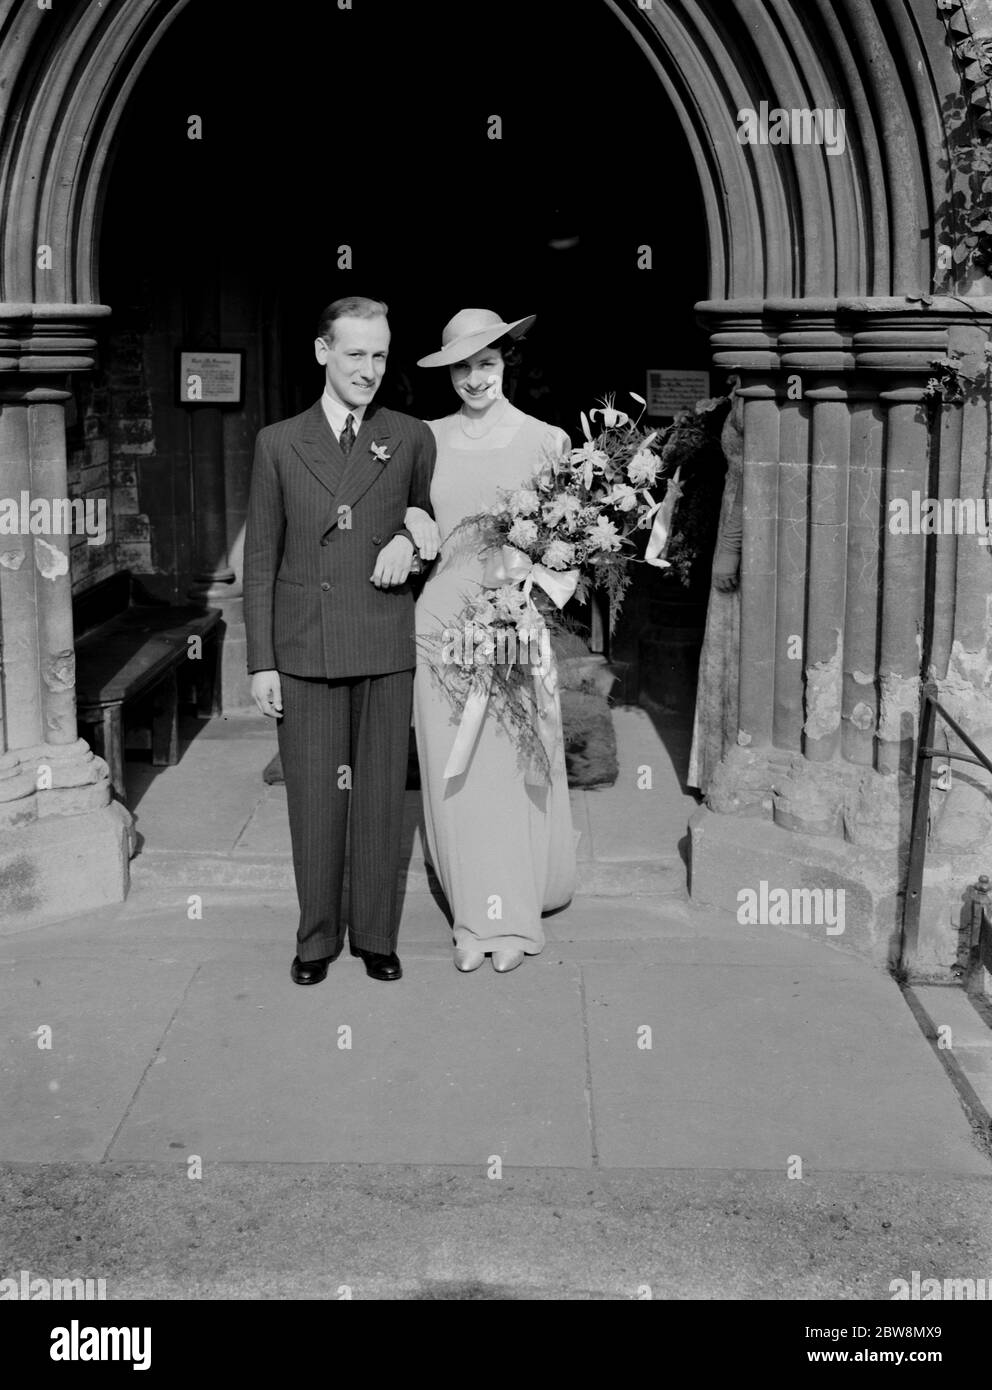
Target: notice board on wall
x,y
670,391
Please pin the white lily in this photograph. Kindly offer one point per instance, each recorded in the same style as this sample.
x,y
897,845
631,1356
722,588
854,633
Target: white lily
x,y
611,416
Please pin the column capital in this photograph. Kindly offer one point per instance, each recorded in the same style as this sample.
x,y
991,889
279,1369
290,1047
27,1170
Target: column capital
x,y
838,337
44,340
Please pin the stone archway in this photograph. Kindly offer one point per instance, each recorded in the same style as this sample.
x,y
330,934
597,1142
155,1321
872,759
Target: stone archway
x,y
820,268
787,227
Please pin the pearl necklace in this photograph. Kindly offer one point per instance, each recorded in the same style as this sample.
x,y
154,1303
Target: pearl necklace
x,y
499,417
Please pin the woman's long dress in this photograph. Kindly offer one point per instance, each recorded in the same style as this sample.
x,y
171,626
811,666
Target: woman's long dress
x,y
503,849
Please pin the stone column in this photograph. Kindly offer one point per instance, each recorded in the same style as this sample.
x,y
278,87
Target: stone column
x,y
824,645
759,572
213,576
64,846
20,707
837,426
903,583
793,560
865,521
215,583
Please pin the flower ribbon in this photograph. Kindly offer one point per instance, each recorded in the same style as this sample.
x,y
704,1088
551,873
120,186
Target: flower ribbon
x,y
661,530
511,566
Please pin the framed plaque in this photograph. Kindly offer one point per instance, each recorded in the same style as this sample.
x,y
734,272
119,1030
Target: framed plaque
x,y
210,378
671,392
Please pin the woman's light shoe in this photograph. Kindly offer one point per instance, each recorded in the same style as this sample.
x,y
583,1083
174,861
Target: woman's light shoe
x,y
507,960
468,959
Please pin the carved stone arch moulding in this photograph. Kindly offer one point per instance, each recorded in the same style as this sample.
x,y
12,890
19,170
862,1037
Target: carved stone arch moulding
x,y
793,220
784,221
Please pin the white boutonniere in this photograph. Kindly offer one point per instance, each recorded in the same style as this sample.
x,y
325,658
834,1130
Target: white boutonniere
x,y
379,452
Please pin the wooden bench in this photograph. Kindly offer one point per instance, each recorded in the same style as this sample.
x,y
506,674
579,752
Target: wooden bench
x,y
128,646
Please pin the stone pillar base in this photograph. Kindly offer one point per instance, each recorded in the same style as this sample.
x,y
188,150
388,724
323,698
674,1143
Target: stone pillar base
x,y
232,672
728,854
59,866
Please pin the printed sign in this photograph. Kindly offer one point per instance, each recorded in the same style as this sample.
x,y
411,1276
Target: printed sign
x,y
671,392
211,378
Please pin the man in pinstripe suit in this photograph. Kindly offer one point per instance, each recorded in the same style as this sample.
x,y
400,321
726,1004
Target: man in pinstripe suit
x,y
330,627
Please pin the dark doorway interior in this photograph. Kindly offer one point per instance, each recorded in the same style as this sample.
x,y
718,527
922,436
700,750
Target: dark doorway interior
x,y
369,128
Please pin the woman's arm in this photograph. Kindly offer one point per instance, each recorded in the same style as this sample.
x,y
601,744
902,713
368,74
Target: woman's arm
x,y
424,530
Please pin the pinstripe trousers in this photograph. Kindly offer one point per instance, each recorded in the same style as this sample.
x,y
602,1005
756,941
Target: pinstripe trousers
x,y
344,746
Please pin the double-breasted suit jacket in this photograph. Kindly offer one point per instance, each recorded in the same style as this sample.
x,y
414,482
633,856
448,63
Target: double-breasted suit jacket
x,y
345,652
316,523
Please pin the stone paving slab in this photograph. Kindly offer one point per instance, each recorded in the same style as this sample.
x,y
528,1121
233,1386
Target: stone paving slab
x,y
267,829
106,1015
766,1043
630,822
202,803
214,799
820,1059
441,1069
210,822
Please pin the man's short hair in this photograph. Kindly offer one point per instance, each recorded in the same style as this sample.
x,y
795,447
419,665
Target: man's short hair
x,y
353,306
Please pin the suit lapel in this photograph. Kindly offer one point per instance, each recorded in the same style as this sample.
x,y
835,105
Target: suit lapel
x,y
319,449
362,466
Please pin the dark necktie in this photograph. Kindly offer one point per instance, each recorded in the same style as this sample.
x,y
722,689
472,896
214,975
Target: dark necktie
x,y
347,436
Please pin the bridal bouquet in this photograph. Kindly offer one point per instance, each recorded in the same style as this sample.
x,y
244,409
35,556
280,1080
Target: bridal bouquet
x,y
565,531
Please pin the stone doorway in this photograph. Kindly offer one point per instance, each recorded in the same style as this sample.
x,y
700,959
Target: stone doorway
x,y
239,238
820,271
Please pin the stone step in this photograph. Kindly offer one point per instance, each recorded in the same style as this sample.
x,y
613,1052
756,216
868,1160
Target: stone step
x,y
596,878
962,1035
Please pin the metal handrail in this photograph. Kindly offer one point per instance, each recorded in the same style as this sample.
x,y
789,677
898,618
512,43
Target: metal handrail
x,y
921,814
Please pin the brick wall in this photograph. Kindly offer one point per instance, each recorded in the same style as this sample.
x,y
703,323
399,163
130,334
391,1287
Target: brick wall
x,y
88,460
132,439
108,433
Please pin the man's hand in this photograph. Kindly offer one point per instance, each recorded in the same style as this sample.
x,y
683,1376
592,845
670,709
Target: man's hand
x,y
424,529
393,564
266,691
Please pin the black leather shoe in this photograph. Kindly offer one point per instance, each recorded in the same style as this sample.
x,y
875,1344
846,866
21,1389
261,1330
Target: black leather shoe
x,y
378,966
310,972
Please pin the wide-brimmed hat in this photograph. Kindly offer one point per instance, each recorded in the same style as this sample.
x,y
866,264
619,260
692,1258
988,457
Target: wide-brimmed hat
x,y
470,330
